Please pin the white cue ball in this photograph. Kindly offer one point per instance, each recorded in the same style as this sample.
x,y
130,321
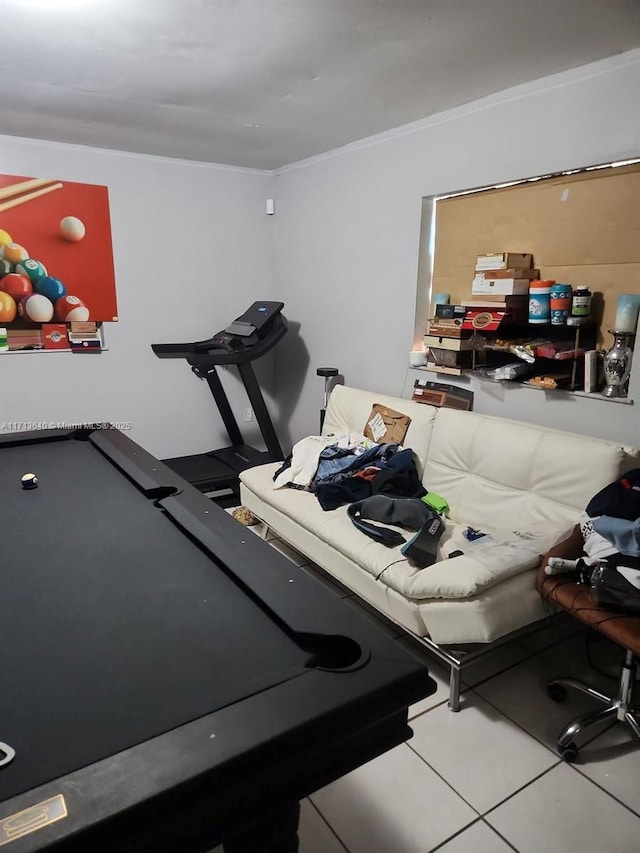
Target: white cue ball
x,y
72,229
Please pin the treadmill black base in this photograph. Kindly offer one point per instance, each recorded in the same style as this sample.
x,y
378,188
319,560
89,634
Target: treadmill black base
x,y
219,469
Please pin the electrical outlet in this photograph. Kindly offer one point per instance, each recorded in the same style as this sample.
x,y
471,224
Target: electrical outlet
x,y
248,414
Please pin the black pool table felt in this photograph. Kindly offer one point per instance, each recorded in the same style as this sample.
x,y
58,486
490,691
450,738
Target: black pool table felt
x,y
113,628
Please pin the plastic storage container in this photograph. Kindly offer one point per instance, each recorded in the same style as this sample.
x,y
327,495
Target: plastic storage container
x,y
560,299
581,302
539,301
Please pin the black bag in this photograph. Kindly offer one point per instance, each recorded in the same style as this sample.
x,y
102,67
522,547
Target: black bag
x,y
617,587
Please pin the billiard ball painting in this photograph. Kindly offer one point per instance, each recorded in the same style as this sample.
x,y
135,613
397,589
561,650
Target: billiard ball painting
x,y
56,256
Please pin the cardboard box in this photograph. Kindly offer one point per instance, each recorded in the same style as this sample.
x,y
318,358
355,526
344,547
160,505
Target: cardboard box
x,y
85,337
442,395
516,307
503,261
514,272
496,301
54,336
19,339
449,312
502,286
446,342
487,321
86,346
385,425
449,358
448,328
452,371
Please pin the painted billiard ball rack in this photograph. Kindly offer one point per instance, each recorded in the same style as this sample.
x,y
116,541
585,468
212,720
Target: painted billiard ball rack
x,y
27,290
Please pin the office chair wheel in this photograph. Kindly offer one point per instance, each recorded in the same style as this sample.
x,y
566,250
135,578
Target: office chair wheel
x,y
557,692
569,753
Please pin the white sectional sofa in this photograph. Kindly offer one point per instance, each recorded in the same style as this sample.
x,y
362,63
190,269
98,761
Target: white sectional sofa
x,y
523,485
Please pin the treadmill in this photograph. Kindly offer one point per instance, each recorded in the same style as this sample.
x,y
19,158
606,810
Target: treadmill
x,y
247,338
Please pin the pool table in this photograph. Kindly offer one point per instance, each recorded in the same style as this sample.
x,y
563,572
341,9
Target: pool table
x,y
170,682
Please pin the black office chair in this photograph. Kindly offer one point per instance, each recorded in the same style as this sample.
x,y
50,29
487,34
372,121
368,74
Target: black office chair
x,y
624,629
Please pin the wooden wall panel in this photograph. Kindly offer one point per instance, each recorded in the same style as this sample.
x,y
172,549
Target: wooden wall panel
x,y
581,229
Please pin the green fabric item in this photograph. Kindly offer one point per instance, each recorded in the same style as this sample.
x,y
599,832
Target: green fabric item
x,y
436,502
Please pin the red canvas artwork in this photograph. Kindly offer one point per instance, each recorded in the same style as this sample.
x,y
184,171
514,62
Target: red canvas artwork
x,y
56,256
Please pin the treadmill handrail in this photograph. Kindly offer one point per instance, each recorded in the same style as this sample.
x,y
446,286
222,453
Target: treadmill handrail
x,y
212,352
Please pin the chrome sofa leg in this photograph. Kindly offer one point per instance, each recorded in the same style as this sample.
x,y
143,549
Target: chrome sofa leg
x,y
454,689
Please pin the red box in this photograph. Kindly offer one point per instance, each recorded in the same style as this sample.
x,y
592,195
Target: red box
x,y
483,321
54,336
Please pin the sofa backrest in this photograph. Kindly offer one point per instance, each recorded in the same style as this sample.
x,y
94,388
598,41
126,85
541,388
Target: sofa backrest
x,y
495,473
349,409
498,473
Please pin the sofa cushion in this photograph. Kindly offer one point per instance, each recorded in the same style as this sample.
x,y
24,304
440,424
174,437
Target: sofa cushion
x,y
458,577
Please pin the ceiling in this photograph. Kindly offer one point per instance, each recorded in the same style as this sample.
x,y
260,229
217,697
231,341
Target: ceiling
x,y
264,83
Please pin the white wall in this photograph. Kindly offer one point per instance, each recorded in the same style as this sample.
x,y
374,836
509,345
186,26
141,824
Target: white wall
x,y
348,223
341,252
193,249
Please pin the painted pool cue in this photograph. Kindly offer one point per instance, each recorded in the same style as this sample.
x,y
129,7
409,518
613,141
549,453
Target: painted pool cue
x,y
7,205
24,187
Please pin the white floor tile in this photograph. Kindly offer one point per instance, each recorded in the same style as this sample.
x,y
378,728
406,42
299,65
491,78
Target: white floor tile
x,y
478,838
484,756
496,661
521,694
314,834
441,676
570,658
550,634
563,813
393,804
613,761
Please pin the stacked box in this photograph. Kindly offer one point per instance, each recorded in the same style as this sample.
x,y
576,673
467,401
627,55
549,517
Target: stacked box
x,y
503,261
448,347
448,328
503,274
439,357
19,339
459,344
496,284
516,308
54,336
442,395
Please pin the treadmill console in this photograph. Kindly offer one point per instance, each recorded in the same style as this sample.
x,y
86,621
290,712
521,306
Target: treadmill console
x,y
249,336
255,319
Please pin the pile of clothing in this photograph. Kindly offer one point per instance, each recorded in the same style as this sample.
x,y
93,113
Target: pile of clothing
x,y
350,468
610,528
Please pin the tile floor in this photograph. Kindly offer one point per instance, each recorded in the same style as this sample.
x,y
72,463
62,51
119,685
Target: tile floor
x,y
488,779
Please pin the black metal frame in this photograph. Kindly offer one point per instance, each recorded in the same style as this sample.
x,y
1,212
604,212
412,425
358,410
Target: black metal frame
x,y
219,469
